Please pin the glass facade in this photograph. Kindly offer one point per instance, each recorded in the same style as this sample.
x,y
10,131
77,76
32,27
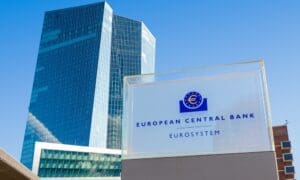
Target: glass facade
x,y
77,91
132,53
125,60
58,163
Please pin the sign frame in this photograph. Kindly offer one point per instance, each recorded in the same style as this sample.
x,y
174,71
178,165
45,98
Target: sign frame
x,y
137,81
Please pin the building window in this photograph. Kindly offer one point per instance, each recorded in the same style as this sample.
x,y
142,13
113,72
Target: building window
x,y
285,144
287,157
289,170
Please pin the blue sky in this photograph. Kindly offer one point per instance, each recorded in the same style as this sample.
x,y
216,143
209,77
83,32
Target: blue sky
x,y
189,34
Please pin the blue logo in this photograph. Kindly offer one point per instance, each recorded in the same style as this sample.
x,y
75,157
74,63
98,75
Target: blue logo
x,y
193,101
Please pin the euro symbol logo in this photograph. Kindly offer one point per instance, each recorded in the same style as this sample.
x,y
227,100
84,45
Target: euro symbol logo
x,y
192,99
192,102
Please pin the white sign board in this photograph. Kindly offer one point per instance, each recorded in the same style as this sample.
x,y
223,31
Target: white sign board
x,y
223,113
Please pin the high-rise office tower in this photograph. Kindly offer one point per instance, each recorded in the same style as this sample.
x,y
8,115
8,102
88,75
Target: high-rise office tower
x,y
133,50
83,56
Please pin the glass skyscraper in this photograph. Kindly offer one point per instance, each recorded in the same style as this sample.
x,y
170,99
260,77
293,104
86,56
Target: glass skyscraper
x,y
83,56
132,53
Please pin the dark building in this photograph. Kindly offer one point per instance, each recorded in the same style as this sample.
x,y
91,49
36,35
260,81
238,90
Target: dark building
x,y
284,156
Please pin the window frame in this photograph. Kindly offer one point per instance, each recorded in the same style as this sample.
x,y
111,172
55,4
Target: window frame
x,y
287,160
289,173
282,147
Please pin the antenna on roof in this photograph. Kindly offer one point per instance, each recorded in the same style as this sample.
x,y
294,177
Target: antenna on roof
x,y
286,122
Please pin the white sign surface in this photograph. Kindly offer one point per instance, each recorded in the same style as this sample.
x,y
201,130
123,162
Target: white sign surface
x,y
217,114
